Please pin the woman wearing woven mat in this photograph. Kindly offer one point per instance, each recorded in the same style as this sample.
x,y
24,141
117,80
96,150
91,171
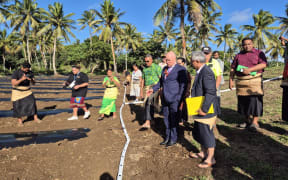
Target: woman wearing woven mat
x,y
110,95
24,103
248,66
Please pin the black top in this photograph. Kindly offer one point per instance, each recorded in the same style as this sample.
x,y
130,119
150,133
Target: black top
x,y
80,78
18,74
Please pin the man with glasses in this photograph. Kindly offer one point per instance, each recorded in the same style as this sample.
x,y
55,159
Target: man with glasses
x,y
150,77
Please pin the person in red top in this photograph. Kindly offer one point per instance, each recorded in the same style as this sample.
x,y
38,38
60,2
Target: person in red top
x,y
248,66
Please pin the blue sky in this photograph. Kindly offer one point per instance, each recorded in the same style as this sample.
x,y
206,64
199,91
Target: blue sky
x,y
140,12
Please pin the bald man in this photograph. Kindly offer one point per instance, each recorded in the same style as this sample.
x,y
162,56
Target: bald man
x,y
173,82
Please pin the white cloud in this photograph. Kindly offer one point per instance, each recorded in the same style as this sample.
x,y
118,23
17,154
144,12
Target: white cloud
x,y
240,16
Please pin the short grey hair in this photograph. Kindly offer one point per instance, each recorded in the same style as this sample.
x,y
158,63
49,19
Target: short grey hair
x,y
148,56
198,56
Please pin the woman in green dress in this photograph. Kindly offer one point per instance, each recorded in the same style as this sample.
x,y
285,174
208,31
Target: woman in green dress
x,y
110,95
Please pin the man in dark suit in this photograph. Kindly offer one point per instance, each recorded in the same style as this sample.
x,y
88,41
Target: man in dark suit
x,y
204,85
173,82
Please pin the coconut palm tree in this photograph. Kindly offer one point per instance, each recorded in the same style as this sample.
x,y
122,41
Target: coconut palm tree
x,y
88,19
167,33
284,22
23,16
179,10
226,36
208,26
275,48
261,28
60,26
8,44
129,39
3,11
109,25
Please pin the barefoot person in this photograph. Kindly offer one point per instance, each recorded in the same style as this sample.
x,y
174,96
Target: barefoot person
x,y
111,83
24,103
150,77
204,85
78,81
248,66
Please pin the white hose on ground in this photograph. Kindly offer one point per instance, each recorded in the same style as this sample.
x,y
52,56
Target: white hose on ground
x,y
122,159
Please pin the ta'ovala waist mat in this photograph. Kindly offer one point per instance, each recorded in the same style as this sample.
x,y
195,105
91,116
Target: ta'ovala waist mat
x,y
249,85
20,92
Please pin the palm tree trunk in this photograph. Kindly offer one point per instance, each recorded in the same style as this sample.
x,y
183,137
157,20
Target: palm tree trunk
x,y
36,57
224,50
113,54
54,56
182,11
4,61
24,49
126,57
105,65
90,37
166,45
28,52
43,57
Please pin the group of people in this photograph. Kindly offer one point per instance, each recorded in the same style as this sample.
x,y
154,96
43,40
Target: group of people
x,y
172,81
169,84
24,102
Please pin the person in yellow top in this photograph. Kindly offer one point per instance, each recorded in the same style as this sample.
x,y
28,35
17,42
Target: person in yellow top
x,y
111,83
216,68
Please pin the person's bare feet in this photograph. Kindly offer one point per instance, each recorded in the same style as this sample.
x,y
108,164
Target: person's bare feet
x,y
37,121
146,124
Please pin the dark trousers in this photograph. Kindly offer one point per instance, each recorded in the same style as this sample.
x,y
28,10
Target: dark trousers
x,y
150,104
218,106
170,111
285,104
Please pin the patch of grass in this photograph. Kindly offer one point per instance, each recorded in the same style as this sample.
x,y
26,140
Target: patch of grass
x,y
241,171
283,139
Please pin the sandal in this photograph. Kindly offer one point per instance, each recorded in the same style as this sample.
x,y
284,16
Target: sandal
x,y
206,165
195,155
100,118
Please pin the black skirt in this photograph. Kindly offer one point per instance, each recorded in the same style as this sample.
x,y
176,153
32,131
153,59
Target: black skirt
x,y
250,105
285,104
203,135
25,107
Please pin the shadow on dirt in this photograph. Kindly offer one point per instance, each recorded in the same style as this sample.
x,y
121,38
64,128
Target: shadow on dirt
x,y
18,139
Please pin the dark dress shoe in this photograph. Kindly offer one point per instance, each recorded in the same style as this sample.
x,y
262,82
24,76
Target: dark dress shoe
x,y
170,143
164,142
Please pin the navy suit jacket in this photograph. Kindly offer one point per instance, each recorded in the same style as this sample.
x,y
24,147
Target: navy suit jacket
x,y
205,85
173,85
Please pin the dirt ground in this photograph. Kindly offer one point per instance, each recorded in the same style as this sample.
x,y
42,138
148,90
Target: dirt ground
x,y
240,154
